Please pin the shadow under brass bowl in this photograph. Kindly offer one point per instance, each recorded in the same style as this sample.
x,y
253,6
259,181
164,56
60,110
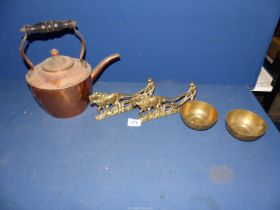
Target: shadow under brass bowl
x,y
198,115
245,125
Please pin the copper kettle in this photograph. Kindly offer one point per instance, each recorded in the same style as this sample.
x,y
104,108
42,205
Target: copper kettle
x,y
61,84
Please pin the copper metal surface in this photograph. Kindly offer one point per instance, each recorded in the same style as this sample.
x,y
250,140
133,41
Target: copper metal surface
x,y
70,101
22,53
60,84
28,61
66,102
199,115
245,125
103,64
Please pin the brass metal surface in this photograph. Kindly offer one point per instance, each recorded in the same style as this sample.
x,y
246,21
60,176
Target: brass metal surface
x,y
245,125
151,106
115,103
199,115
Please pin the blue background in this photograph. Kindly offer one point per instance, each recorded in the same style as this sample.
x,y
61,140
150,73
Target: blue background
x,y
209,41
84,164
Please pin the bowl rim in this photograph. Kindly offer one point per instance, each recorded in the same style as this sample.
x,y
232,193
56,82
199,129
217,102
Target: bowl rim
x,y
194,101
206,103
247,135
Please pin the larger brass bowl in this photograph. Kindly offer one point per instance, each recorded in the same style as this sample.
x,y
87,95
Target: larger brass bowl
x,y
198,115
245,125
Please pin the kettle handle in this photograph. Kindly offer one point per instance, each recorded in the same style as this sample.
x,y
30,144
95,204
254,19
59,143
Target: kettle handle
x,y
49,27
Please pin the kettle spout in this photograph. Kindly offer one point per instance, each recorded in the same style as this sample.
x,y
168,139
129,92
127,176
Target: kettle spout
x,y
103,64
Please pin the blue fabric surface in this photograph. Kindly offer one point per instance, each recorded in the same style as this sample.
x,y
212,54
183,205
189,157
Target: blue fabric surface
x,y
81,163
210,41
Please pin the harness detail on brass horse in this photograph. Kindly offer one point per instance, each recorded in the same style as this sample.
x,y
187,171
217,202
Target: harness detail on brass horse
x,y
116,103
151,106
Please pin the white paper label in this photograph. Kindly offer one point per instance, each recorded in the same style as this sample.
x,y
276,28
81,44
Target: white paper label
x,y
133,122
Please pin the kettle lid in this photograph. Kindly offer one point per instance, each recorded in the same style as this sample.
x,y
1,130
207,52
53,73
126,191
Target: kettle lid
x,y
57,62
58,72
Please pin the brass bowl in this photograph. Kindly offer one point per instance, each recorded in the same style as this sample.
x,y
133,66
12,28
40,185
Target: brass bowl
x,y
245,125
199,115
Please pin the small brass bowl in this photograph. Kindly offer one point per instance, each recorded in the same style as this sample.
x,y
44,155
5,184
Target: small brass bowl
x,y
245,125
198,115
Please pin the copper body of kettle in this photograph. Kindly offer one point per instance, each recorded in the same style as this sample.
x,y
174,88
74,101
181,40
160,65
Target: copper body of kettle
x,y
61,84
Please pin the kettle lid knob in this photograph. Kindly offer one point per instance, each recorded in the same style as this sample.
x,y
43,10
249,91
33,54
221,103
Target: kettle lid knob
x,y
54,52
57,62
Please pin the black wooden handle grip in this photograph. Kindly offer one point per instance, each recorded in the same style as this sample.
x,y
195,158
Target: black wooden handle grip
x,y
48,27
